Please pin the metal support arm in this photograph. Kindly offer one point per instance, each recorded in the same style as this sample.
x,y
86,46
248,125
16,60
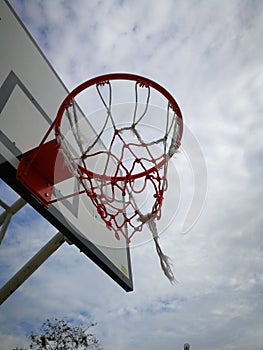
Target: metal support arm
x,y
26,271
6,216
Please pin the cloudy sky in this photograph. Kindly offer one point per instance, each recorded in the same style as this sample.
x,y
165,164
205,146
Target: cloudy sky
x,y
209,55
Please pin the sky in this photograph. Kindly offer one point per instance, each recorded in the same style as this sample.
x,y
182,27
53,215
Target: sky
x,y
209,55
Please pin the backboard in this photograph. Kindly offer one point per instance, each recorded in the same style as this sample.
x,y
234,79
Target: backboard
x,y
30,95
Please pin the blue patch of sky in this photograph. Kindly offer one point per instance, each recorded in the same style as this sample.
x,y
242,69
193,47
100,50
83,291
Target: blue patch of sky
x,y
20,8
85,314
135,28
164,305
27,327
7,194
43,36
4,273
74,321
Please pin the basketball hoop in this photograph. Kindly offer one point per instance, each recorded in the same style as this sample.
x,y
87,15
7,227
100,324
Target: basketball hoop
x,y
129,166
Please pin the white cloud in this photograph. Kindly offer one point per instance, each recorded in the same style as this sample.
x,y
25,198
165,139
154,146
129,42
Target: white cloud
x,y
209,56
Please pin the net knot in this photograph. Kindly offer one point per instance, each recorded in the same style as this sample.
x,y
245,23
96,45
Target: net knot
x,y
159,197
92,195
102,83
108,224
101,210
142,83
114,180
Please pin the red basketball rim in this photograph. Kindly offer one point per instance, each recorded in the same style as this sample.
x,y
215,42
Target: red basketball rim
x,y
121,76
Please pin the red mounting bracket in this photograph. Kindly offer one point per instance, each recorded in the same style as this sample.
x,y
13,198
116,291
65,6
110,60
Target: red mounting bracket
x,y
41,168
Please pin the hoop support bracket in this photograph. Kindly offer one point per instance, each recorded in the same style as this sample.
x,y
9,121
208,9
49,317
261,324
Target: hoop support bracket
x,y
41,168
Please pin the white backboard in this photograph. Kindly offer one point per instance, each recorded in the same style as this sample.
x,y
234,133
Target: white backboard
x,y
30,95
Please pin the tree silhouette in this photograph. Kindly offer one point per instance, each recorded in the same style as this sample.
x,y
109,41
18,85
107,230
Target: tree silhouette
x,y
58,334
